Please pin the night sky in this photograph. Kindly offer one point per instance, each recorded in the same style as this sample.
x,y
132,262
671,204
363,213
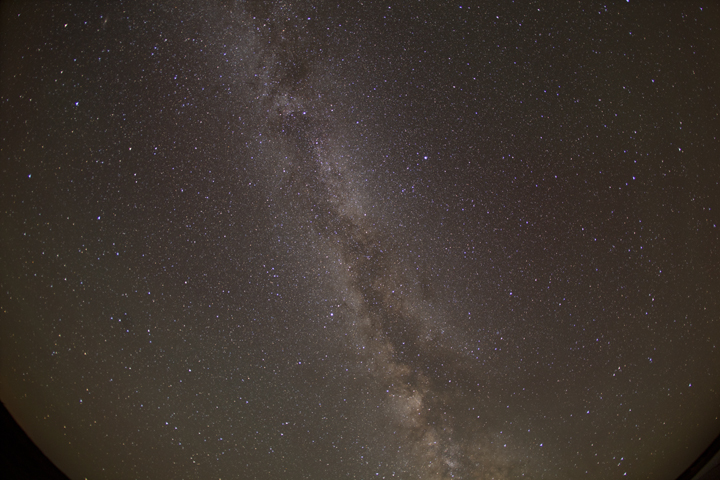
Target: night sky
x,y
415,240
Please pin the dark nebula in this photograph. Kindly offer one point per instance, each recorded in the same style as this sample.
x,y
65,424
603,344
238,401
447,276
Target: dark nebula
x,y
425,240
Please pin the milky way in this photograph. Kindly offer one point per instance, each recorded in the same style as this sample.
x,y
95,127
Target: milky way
x,y
295,240
395,332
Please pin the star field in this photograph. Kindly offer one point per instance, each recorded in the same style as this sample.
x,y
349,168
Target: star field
x,y
423,240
